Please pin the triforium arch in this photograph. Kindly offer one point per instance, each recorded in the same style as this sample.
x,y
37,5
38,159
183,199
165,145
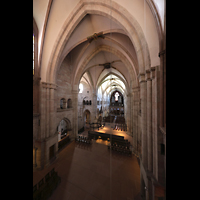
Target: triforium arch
x,y
122,17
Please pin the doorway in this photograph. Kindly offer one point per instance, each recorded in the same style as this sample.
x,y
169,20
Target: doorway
x,y
86,117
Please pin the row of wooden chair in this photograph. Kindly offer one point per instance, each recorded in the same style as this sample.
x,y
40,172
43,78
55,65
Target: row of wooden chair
x,y
121,127
46,185
82,139
121,149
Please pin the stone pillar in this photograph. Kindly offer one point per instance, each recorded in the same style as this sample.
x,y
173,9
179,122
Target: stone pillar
x,y
94,106
43,90
135,111
48,109
149,120
143,96
36,94
48,135
129,114
162,84
154,121
52,109
75,113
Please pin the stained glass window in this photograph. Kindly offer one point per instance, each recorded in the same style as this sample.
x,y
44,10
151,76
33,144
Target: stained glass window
x,y
80,88
116,96
33,54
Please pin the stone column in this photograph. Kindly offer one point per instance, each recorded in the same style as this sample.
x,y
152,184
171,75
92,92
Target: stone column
x,y
47,111
36,94
154,121
75,113
149,119
94,106
162,84
131,114
143,96
135,110
52,109
128,114
43,93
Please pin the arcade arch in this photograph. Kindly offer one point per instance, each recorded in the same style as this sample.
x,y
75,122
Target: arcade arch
x,y
64,128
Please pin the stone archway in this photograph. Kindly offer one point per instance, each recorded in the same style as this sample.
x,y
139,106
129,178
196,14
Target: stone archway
x,y
86,117
64,128
64,132
124,18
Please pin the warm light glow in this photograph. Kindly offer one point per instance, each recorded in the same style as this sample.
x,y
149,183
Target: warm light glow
x,y
100,141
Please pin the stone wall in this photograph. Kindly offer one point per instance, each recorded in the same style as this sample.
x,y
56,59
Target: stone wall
x,y
64,87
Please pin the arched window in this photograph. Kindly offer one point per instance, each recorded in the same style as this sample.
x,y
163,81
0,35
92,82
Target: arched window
x,y
69,103
116,96
63,103
80,88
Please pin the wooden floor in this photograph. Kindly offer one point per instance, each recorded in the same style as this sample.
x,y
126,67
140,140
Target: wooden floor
x,y
93,173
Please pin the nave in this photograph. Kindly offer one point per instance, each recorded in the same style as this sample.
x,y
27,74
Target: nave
x,y
93,60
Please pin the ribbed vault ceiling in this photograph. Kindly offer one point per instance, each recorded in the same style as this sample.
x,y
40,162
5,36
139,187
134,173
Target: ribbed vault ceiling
x,y
105,69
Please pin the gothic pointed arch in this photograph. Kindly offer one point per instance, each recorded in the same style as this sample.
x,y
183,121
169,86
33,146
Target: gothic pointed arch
x,y
125,19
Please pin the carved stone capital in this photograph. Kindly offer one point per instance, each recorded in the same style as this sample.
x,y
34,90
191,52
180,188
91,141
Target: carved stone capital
x,y
147,75
141,77
153,69
49,85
